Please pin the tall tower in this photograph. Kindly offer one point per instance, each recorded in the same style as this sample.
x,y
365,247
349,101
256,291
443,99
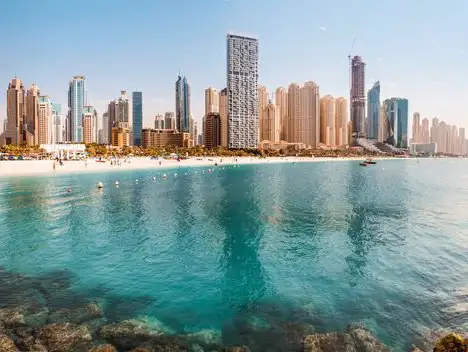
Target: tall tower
x,y
211,100
281,99
242,85
373,111
15,112
293,112
396,112
270,123
262,103
123,115
88,124
76,102
182,100
137,106
223,114
44,130
358,98
32,115
57,123
417,128
327,121
341,121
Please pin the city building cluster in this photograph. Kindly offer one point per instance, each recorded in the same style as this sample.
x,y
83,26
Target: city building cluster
x,y
241,115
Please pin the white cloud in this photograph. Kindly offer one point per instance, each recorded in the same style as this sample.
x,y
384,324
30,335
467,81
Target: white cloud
x,y
323,29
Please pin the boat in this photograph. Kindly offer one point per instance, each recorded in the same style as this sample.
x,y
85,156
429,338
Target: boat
x,y
371,162
363,163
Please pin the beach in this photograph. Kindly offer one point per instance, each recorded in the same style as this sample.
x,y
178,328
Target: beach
x,y
46,167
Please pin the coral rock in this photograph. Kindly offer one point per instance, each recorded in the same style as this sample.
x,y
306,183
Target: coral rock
x,y
77,315
6,344
64,337
103,348
450,343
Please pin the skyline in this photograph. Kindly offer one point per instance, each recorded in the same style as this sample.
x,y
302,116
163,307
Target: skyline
x,y
414,71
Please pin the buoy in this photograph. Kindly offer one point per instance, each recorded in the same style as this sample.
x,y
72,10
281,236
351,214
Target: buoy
x,y
100,185
175,175
116,183
69,190
164,176
154,178
136,180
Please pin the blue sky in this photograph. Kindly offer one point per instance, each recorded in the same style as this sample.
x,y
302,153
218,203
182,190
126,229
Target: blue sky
x,y
417,49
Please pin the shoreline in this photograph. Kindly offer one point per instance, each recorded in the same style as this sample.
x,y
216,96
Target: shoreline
x,y
9,168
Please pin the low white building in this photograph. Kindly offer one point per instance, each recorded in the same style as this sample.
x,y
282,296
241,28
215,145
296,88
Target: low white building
x,y
423,148
62,151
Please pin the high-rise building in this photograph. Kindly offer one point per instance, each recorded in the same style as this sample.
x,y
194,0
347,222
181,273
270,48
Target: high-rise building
x,y
262,103
358,97
112,111
123,115
76,102
105,128
97,126
396,111
31,123
15,112
182,100
159,122
373,111
223,114
169,121
425,136
281,100
341,121
137,106
383,126
304,114
242,85
212,130
270,128
44,130
88,125
58,124
294,105
416,128
327,121
211,100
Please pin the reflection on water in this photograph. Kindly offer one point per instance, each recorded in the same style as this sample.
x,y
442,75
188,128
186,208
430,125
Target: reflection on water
x,y
251,250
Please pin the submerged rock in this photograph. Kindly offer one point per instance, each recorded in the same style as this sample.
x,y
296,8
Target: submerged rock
x,y
451,343
64,337
79,315
23,316
7,344
164,344
127,334
356,339
103,348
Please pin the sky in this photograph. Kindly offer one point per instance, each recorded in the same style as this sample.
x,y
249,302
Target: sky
x,y
417,49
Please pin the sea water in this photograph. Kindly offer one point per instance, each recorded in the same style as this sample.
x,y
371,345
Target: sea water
x,y
326,243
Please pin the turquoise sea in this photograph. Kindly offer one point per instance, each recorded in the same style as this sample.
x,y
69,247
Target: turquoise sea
x,y
323,243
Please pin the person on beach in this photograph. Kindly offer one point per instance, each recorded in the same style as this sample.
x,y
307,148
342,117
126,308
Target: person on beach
x,y
53,166
86,163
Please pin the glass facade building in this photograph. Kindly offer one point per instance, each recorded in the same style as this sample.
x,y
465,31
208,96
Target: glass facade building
x,y
182,91
373,111
137,102
76,102
396,114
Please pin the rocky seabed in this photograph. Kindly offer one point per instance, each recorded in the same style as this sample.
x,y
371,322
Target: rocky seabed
x,y
44,314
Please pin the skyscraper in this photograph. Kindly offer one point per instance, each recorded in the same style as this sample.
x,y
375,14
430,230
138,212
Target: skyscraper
x,y
341,121
105,128
373,111
327,121
281,98
31,124
123,115
223,114
15,112
358,98
270,123
112,111
182,101
88,124
211,100
396,111
212,130
137,105
242,85
159,122
416,128
425,136
76,102
262,103
169,121
293,112
57,118
44,130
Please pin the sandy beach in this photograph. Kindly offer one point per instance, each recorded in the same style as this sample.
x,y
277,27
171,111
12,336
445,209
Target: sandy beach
x,y
46,167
